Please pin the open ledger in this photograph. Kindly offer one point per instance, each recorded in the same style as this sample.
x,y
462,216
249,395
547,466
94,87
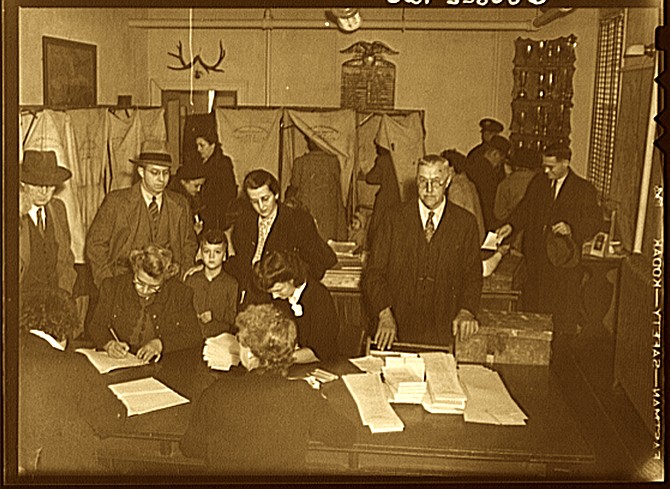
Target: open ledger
x,y
146,395
104,363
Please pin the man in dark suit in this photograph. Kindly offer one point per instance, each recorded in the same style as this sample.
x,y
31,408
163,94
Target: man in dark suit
x,y
146,213
424,276
268,225
559,207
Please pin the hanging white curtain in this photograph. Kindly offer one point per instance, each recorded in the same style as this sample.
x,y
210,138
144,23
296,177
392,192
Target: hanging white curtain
x,y
125,140
53,131
251,138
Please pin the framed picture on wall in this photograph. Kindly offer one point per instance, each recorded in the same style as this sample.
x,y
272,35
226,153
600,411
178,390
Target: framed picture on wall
x,y
69,73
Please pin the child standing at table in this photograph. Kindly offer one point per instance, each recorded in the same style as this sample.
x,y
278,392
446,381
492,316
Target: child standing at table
x,y
215,293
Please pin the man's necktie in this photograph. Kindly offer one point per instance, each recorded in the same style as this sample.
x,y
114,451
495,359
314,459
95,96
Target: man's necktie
x,y
154,214
430,227
554,188
41,222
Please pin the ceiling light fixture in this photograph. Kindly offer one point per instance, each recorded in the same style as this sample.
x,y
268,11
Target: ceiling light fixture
x,y
348,19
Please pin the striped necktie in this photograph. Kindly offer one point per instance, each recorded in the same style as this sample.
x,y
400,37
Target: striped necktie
x,y
429,230
41,222
154,214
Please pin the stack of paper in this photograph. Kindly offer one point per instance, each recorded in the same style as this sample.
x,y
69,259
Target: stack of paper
x,y
221,352
146,395
373,407
445,393
104,363
404,377
488,398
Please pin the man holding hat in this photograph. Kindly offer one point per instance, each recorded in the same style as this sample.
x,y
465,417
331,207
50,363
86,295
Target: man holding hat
x,y
146,213
558,213
45,256
486,170
488,128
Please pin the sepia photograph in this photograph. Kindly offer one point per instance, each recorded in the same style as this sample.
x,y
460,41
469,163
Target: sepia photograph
x,y
395,241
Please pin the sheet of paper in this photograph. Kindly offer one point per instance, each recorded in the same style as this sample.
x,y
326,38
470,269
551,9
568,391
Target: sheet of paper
x,y
221,352
368,364
491,242
488,398
374,409
146,395
104,363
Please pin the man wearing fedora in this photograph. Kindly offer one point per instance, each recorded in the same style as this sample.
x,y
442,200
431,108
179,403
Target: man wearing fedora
x,y
45,256
558,213
146,213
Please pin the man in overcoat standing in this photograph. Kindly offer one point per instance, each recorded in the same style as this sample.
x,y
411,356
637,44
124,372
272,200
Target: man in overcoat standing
x,y
424,276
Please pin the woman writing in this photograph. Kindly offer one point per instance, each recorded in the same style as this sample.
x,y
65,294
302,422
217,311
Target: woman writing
x,y
147,312
284,276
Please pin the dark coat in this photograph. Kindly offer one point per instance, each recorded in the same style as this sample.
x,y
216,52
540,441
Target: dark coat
x,y
219,191
56,217
113,232
293,230
401,260
388,195
319,325
550,289
486,179
53,437
251,423
172,314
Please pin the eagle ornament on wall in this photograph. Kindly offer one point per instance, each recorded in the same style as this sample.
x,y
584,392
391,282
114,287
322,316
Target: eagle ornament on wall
x,y
368,80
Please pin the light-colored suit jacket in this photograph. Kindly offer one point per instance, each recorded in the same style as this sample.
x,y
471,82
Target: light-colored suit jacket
x,y
113,232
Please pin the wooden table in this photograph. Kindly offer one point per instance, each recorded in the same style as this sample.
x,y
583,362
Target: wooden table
x,y
431,444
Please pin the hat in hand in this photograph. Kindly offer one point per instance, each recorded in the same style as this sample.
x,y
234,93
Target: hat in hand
x,y
153,153
490,125
41,168
562,250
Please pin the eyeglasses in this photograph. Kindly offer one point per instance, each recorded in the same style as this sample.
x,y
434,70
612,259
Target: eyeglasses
x,y
428,183
145,286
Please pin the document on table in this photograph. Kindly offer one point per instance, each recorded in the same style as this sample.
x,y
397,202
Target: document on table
x,y
370,396
491,242
104,363
445,393
146,395
368,364
488,399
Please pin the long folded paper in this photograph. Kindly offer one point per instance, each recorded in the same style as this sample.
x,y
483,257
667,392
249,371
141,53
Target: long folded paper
x,y
104,363
146,395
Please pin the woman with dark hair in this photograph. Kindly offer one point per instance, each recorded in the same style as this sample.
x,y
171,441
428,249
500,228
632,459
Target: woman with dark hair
x,y
220,188
148,312
53,437
258,421
284,276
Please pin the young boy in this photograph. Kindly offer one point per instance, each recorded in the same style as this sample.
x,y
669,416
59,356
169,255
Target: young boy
x,y
215,293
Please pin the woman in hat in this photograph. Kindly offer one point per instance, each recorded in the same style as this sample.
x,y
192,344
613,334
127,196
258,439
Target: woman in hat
x,y
189,181
45,256
220,188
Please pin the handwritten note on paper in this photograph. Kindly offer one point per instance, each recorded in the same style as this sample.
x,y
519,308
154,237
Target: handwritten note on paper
x,y
104,363
146,395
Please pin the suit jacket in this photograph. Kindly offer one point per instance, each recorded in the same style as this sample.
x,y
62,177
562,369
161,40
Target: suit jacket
x,y
57,215
486,179
112,232
172,314
53,437
293,230
576,204
388,196
260,423
394,271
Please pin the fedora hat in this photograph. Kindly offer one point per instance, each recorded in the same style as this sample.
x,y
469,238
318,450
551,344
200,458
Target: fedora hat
x,y
153,153
41,168
562,251
491,125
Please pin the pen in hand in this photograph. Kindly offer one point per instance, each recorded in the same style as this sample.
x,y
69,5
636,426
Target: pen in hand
x,y
124,346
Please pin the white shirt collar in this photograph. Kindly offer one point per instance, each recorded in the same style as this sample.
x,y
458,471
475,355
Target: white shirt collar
x,y
33,213
58,345
295,298
559,184
438,212
148,197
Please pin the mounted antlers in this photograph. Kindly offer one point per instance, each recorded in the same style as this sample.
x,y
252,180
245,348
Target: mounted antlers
x,y
198,60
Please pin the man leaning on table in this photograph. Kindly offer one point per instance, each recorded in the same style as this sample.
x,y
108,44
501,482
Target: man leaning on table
x,y
424,276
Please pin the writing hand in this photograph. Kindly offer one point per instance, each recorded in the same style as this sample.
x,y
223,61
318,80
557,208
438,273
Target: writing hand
x,y
116,349
151,350
561,228
465,325
386,330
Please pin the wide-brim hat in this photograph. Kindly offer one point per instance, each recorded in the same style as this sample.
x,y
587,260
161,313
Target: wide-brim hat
x,y
41,168
491,125
153,153
562,251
